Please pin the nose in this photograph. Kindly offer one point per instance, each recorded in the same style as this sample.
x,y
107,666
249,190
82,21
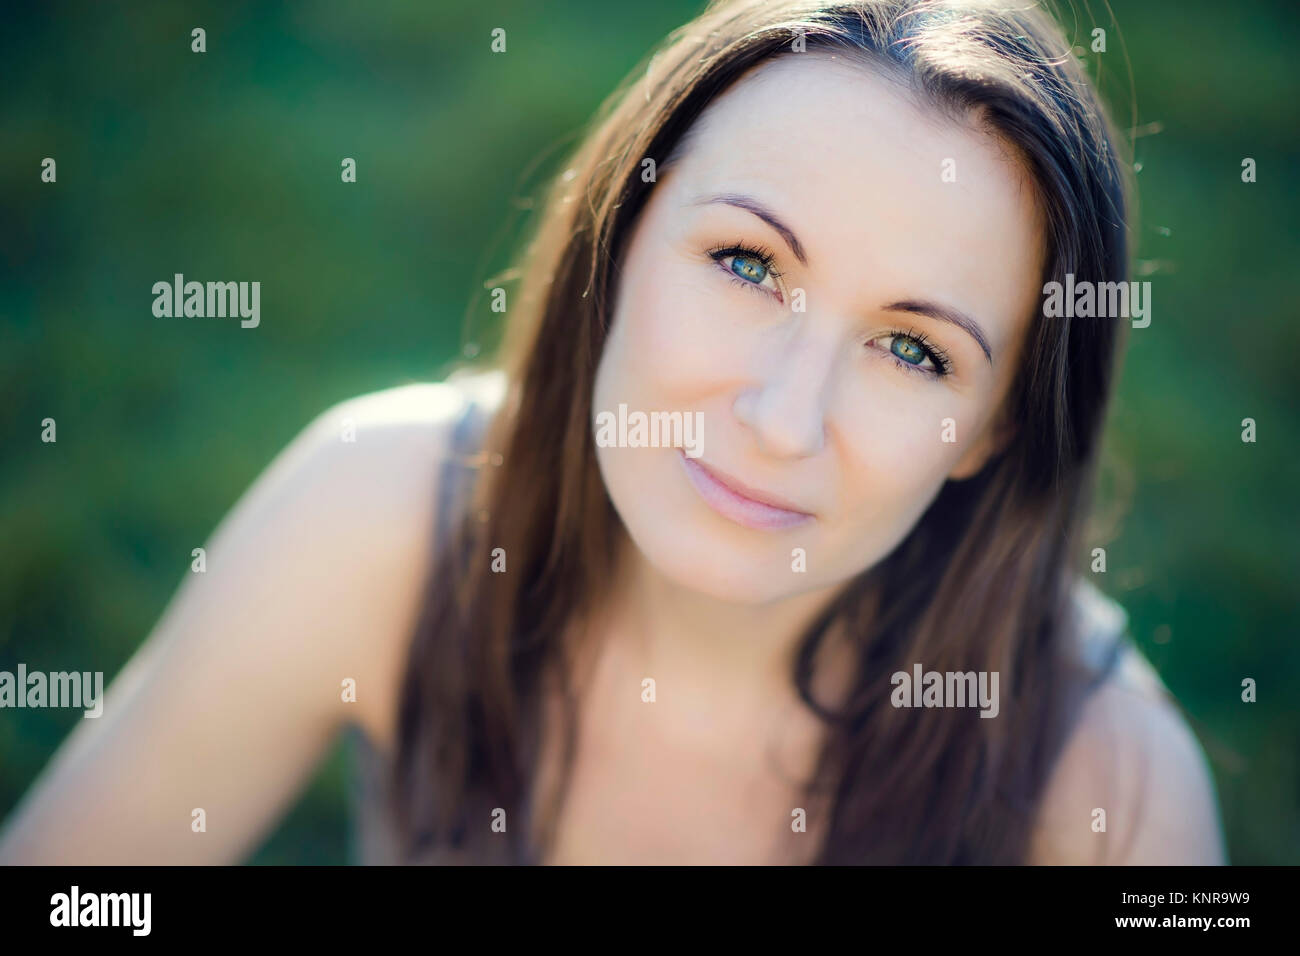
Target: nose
x,y
786,408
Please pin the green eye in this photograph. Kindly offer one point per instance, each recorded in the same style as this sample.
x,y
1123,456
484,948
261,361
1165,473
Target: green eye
x,y
912,351
749,269
908,350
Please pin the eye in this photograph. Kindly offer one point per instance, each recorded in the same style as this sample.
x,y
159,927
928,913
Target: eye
x,y
913,352
750,266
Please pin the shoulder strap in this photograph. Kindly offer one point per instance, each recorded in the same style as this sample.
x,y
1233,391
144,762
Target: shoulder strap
x,y
460,466
1099,629
1107,645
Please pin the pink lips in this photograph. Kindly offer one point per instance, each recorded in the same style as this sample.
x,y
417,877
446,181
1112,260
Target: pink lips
x,y
740,504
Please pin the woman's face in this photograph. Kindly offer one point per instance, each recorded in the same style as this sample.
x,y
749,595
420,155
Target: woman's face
x,y
844,379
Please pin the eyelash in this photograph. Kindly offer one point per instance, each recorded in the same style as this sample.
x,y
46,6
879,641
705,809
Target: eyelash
x,y
760,254
942,363
766,257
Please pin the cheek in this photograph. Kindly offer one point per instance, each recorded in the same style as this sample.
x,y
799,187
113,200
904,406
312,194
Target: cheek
x,y
898,428
678,327
893,462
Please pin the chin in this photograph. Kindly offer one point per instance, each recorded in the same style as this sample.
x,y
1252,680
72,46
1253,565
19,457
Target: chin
x,y
686,542
711,562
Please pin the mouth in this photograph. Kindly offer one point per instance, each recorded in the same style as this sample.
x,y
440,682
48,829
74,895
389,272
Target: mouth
x,y
738,502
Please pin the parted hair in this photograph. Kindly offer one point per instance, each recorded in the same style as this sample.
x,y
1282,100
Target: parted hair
x,y
982,581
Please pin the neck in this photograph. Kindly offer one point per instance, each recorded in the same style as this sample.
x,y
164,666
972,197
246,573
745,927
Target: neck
x,y
696,643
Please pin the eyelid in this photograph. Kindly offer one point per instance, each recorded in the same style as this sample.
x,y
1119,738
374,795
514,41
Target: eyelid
x,y
754,250
939,356
757,252
749,285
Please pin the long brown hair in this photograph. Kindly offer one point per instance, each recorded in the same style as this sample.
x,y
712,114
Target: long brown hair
x,y
983,580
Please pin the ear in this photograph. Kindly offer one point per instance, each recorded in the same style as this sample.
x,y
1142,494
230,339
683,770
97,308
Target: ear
x,y
993,442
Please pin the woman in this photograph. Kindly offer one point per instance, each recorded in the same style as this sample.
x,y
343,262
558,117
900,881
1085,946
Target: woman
x,y
819,234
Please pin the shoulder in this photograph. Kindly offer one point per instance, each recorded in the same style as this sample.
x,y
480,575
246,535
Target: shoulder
x,y
412,418
1133,766
363,482
384,450
368,465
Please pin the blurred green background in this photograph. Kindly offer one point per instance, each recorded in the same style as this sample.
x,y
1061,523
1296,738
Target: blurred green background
x,y
226,165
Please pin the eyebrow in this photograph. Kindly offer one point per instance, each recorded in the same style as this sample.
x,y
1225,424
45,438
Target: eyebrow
x,y
750,204
914,306
945,314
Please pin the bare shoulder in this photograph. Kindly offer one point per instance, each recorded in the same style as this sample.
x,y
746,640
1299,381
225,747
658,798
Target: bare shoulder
x,y
1132,785
375,459
382,452
361,438
379,457
308,585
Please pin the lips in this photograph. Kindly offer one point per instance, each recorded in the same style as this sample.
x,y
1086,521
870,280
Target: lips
x,y
740,503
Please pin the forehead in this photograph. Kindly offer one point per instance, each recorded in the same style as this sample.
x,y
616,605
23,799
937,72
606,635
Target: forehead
x,y
855,164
